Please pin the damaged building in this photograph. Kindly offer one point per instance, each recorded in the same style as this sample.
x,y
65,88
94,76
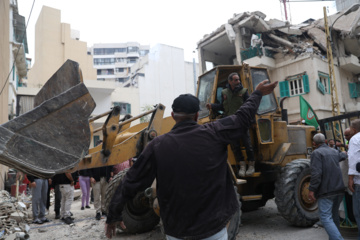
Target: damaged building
x,y
295,55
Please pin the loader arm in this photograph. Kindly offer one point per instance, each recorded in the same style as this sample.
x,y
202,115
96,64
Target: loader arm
x,y
127,143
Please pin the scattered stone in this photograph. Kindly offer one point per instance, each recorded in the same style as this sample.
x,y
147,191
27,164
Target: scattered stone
x,y
41,230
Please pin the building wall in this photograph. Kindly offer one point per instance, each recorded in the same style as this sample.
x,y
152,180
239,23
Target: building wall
x,y
320,103
5,51
53,46
345,4
4,59
166,77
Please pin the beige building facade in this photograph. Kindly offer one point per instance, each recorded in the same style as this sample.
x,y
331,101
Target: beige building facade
x,y
294,55
56,42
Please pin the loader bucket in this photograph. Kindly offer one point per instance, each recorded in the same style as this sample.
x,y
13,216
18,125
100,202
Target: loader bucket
x,y
55,135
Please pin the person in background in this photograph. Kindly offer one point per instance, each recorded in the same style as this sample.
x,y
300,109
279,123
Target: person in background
x,y
122,166
39,188
354,175
57,204
99,178
66,185
84,180
326,184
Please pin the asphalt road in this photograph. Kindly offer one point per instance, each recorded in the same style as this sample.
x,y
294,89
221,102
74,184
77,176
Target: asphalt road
x,y
264,223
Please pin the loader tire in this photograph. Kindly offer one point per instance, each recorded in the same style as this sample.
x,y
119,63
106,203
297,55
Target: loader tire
x,y
291,194
137,218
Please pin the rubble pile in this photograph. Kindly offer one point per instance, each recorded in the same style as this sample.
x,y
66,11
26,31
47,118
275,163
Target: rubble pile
x,y
276,39
13,216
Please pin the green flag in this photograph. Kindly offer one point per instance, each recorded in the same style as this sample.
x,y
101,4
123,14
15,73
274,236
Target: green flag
x,y
307,113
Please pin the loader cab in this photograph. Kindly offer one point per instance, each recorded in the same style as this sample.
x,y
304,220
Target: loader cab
x,y
214,81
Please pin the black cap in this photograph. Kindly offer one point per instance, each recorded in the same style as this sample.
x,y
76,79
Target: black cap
x,y
186,103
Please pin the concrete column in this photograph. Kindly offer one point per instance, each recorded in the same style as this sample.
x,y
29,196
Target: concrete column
x,y
238,45
202,65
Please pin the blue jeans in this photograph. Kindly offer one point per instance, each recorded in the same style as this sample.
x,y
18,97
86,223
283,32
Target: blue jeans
x,y
329,215
222,235
39,197
356,207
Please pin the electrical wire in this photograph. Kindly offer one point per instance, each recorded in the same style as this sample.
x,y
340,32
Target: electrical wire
x,y
23,37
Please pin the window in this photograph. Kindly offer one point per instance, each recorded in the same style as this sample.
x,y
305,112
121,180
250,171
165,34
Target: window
x,y
354,89
101,79
104,61
105,71
323,83
119,70
120,80
96,139
295,85
132,60
108,51
120,59
143,52
132,49
125,108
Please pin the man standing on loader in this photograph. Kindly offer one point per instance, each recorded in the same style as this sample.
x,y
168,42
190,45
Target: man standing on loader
x,y
194,185
233,96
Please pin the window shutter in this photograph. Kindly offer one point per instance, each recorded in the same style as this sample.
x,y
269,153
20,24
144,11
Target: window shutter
x,y
320,86
352,90
306,83
128,108
329,84
284,89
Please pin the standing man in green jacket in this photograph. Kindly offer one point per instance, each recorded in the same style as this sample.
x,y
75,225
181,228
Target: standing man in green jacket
x,y
233,96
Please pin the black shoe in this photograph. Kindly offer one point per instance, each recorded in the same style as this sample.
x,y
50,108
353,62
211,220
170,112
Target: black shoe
x,y
87,206
104,214
68,220
44,220
82,208
37,221
57,216
98,216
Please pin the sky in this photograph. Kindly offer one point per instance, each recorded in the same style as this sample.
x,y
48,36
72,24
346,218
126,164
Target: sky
x,y
176,23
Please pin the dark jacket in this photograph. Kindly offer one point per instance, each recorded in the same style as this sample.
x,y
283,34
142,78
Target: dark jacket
x,y
32,178
194,186
100,172
60,179
231,100
85,173
326,177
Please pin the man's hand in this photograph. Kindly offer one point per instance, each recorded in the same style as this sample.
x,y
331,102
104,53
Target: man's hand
x,y
351,183
32,185
311,196
208,106
265,87
110,229
92,180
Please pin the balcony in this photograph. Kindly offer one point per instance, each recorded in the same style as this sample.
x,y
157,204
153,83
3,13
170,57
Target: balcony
x,y
254,56
350,64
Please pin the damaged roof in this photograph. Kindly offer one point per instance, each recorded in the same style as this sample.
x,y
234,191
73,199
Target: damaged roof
x,y
281,37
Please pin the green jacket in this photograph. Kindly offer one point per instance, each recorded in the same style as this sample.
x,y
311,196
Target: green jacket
x,y
232,101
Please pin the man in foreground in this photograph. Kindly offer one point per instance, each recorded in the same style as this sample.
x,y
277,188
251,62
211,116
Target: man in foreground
x,y
326,184
194,186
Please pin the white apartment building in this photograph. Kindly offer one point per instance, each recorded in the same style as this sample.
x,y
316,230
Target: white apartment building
x,y
114,60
